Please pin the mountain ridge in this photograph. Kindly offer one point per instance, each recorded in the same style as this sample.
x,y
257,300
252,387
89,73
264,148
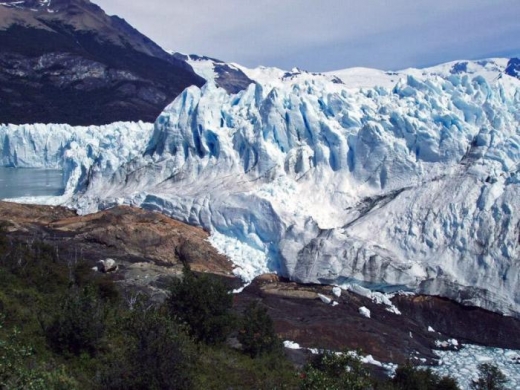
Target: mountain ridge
x,y
69,62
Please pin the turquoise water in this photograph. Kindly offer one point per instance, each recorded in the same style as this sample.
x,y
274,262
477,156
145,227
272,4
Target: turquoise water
x,y
18,182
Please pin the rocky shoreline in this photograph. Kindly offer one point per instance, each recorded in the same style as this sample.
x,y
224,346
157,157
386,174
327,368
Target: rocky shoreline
x,y
151,248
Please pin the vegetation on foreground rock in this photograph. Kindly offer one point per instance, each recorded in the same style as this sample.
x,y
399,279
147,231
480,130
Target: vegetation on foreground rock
x,y
64,326
203,304
490,378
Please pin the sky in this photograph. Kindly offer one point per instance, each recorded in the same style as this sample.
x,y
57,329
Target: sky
x,y
329,34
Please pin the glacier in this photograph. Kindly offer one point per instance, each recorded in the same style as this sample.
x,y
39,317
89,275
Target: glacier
x,y
81,152
393,180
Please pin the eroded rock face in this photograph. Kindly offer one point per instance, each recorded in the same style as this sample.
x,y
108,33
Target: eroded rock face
x,y
126,235
513,67
467,324
63,70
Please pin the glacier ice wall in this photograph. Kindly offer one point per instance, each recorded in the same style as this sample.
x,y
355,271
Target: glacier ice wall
x,y
391,179
82,152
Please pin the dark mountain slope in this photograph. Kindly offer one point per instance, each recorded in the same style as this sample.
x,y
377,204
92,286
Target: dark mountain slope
x,y
68,62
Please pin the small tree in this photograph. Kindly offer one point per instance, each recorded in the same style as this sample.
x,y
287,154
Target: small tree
x,y
447,383
156,354
202,303
257,334
333,371
408,377
4,242
490,378
80,323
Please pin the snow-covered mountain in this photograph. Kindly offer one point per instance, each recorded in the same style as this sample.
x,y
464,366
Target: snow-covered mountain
x,y
392,179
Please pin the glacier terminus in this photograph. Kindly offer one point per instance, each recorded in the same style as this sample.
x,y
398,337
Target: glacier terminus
x,y
394,180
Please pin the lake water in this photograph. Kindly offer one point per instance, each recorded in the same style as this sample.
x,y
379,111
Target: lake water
x,y
18,182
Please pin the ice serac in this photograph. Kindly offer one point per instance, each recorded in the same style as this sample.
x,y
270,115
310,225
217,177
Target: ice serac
x,y
391,179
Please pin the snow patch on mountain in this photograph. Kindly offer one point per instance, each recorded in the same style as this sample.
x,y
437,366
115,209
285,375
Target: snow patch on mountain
x,y
366,77
227,76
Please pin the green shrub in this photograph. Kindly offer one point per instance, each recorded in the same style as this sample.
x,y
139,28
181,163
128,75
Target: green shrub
x,y
222,367
490,378
408,377
4,242
333,371
156,353
257,334
36,264
80,323
203,303
20,371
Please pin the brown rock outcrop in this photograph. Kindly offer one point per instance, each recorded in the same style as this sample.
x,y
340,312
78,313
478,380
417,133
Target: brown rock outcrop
x,y
125,234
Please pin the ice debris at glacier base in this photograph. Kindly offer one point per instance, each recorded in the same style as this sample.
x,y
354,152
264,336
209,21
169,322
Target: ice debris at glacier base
x,y
368,359
325,299
450,343
364,312
462,364
377,297
336,291
291,344
249,262
409,180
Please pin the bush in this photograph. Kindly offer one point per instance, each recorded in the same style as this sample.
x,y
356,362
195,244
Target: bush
x,y
257,334
156,354
20,371
409,377
223,367
33,263
4,242
79,325
333,371
203,304
490,378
